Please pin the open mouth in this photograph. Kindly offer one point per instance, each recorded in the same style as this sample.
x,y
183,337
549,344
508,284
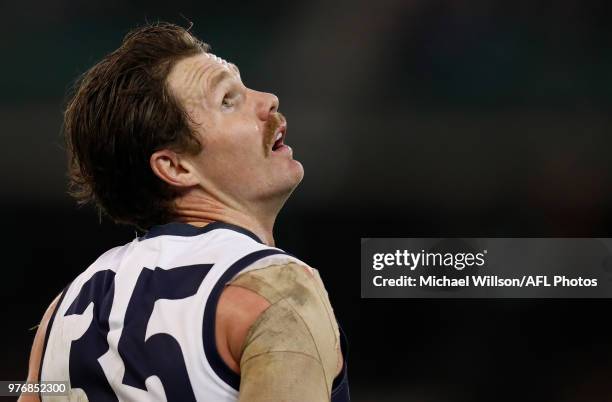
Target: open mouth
x,y
279,138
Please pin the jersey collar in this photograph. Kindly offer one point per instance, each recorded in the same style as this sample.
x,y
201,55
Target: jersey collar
x,y
185,229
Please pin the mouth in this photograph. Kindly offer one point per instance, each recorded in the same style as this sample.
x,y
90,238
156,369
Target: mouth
x,y
279,138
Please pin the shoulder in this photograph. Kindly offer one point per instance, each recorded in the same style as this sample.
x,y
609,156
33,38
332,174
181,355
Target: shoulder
x,y
287,298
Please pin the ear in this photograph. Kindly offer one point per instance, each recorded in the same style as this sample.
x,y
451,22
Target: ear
x,y
174,170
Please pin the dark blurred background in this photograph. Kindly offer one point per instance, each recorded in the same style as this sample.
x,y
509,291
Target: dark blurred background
x,y
412,118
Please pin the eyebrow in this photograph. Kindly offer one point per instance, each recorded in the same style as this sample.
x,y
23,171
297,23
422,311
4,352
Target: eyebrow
x,y
216,79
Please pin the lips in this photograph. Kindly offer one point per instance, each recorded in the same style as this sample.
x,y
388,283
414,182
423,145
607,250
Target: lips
x,y
275,133
279,138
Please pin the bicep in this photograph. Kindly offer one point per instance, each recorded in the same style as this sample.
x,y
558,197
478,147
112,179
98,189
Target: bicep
x,y
291,351
282,376
280,361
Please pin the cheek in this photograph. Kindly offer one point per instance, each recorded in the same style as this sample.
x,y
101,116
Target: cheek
x,y
233,146
235,153
244,139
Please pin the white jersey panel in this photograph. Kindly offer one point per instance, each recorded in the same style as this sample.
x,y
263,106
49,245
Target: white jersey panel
x,y
138,324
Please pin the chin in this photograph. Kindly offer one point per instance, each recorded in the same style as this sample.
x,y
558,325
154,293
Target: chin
x,y
299,167
291,179
297,173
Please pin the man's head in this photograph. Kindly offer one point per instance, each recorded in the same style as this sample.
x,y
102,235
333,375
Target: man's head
x,y
161,117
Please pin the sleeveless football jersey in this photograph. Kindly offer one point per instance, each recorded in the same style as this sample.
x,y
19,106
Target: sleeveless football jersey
x,y
139,323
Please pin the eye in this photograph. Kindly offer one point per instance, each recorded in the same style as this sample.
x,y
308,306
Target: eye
x,y
228,100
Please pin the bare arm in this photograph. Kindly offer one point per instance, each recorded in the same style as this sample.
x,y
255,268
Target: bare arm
x,y
284,343
37,350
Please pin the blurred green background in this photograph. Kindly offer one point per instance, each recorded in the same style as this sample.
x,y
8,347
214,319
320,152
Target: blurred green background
x,y
412,118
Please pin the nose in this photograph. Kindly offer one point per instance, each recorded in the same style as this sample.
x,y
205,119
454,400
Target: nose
x,y
268,103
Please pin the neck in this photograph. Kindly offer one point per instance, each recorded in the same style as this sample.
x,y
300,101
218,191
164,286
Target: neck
x,y
200,210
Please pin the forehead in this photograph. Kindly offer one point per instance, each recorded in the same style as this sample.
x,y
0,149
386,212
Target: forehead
x,y
190,77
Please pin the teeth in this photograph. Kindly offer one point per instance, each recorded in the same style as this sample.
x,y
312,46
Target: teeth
x,y
278,136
